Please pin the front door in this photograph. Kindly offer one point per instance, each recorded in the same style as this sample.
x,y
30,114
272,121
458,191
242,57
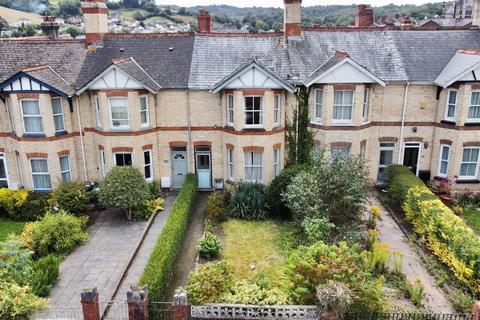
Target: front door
x,y
179,166
203,167
411,156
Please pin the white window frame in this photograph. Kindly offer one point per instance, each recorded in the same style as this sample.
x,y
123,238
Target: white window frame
x,y
366,104
146,111
31,116
277,116
111,119
230,164
440,160
69,171
230,110
61,114
149,166
343,105
473,177
115,157
261,124
448,105
391,147
317,116
4,157
247,154
40,173
475,106
103,163
363,150
276,162
20,169
98,113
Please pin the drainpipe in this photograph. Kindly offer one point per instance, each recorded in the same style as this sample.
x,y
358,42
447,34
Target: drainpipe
x,y
81,140
189,123
296,126
402,130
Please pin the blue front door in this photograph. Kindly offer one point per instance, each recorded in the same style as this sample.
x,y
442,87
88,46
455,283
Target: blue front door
x,y
203,167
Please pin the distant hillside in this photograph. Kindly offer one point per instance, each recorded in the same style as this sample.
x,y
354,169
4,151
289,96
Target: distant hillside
x,y
12,15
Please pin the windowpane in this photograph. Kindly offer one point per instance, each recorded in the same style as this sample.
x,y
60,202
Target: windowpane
x,y
40,175
253,166
386,159
230,164
343,105
147,159
253,111
32,119
340,152
468,167
3,171
276,162
144,111
276,110
58,114
318,103
474,110
123,159
230,109
65,168
119,112
97,112
366,98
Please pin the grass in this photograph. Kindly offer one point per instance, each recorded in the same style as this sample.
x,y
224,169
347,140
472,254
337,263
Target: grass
x,y
7,227
254,243
472,217
12,15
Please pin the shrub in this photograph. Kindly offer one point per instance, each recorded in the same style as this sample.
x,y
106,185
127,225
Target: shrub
x,y
148,208
71,197
12,200
217,206
273,195
208,283
35,207
373,215
17,302
160,263
376,260
317,229
45,272
248,201
461,301
55,233
245,292
15,261
124,188
399,180
333,297
154,189
302,197
415,291
209,246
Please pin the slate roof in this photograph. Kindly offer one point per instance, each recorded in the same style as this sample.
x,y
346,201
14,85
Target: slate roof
x,y
327,65
49,76
131,67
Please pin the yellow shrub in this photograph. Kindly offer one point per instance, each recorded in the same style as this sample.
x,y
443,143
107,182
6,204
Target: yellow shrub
x,y
27,234
12,200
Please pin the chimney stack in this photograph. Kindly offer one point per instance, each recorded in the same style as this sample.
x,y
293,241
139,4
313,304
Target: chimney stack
x,y
204,21
50,28
406,22
95,15
476,13
364,16
292,18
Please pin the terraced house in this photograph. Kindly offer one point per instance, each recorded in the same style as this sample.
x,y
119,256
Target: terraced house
x,y
216,103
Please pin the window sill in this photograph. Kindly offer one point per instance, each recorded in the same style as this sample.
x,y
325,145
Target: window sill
x,y
34,135
450,122
316,122
144,128
61,133
471,123
343,124
468,181
120,129
253,129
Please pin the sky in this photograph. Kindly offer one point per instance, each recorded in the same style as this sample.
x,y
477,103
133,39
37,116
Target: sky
x,y
279,3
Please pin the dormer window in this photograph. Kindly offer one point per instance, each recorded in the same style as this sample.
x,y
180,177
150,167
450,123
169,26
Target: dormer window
x,y
254,112
119,114
32,119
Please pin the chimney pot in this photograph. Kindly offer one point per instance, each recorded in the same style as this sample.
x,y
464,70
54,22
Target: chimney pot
x,y
50,28
204,21
364,16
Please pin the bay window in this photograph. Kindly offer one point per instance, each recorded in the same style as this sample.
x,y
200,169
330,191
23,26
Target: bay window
x,y
65,168
40,175
57,109
32,119
254,112
469,164
444,157
119,112
451,105
254,166
343,106
474,109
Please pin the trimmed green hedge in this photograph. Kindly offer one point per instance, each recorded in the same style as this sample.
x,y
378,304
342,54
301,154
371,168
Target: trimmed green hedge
x,y
399,180
158,270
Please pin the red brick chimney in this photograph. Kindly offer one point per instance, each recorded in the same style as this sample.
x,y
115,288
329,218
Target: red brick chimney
x,y
204,21
364,16
95,15
406,22
292,18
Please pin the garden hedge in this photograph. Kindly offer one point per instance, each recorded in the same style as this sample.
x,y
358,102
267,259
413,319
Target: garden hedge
x,y
446,235
158,270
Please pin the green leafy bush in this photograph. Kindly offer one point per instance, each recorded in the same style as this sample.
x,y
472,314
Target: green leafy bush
x,y
159,267
154,189
209,282
461,301
123,188
317,229
399,180
18,302
273,195
11,201
217,206
148,208
71,197
55,233
415,291
209,246
248,201
45,272
245,292
35,207
15,261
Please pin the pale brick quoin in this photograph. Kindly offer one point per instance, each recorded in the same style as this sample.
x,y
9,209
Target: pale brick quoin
x,y
217,103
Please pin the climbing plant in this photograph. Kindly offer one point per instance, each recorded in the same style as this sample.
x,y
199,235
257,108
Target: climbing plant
x,y
299,136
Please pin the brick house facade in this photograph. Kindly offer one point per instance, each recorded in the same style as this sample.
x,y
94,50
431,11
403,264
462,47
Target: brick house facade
x,y
216,104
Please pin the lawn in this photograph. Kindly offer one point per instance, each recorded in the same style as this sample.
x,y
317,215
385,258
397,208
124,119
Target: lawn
x,y
7,227
472,217
254,248
12,15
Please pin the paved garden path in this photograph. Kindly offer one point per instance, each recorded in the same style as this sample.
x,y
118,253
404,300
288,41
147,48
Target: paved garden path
x,y
413,266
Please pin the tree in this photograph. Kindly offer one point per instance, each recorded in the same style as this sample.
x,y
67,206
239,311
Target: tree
x,y
277,26
124,188
73,32
69,8
131,3
3,23
138,16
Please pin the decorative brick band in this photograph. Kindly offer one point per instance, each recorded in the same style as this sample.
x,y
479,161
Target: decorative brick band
x,y
475,86
229,146
93,37
116,93
253,92
277,146
388,139
2,150
63,153
100,147
177,144
472,144
147,147
345,86
93,10
445,141
413,139
363,141
122,149
293,29
202,143
253,149
341,144
21,96
31,155
317,142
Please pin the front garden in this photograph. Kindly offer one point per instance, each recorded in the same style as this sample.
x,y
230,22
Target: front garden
x,y
304,239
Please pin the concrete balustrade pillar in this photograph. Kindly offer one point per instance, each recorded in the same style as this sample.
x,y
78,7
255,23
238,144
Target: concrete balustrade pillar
x,y
137,300
90,306
181,308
